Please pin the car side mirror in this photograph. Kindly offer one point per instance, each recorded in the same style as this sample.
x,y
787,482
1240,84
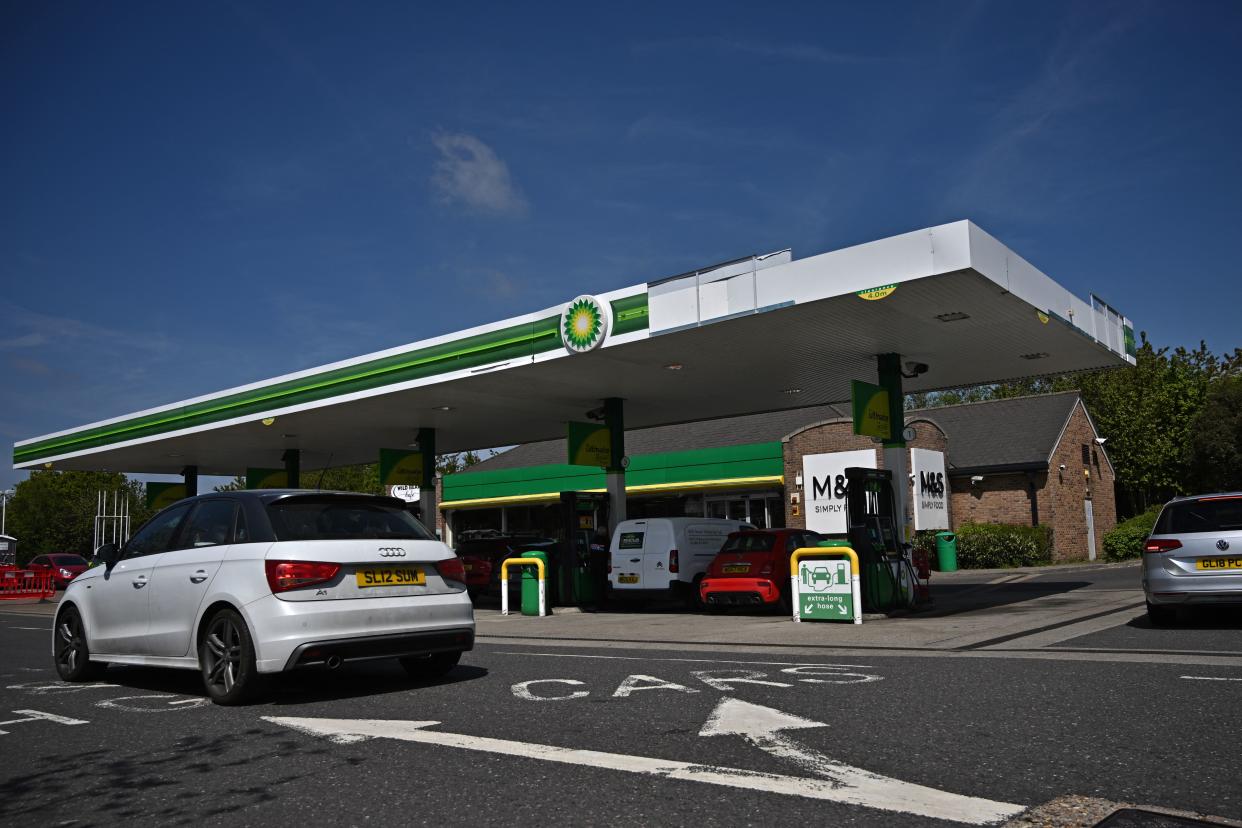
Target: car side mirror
x,y
108,554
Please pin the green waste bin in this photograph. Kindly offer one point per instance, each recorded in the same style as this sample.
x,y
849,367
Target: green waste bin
x,y
946,551
530,582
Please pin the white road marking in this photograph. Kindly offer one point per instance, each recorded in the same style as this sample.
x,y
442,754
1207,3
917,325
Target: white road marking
x,y
39,629
638,682
120,704
522,690
41,689
1211,678
35,715
760,726
876,791
683,660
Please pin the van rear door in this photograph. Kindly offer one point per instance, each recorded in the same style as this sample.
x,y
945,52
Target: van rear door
x,y
627,556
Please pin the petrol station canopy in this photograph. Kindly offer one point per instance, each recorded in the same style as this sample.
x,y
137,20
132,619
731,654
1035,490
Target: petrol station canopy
x,y
758,334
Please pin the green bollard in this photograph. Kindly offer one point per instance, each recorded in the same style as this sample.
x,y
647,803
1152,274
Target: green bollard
x,y
530,582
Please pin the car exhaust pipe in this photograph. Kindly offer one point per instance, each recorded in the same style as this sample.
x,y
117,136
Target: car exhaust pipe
x,y
334,662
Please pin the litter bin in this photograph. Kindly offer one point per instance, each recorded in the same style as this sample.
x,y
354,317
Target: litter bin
x,y
530,581
946,551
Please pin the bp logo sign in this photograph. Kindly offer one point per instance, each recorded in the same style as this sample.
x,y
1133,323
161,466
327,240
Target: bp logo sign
x,y
585,323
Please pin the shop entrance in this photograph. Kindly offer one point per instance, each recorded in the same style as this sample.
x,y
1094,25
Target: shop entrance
x,y
763,509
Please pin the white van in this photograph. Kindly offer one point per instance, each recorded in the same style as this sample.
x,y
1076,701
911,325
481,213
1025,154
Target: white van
x,y
665,557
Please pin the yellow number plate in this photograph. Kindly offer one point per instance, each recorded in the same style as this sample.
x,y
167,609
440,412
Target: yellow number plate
x,y
736,569
1218,563
627,579
390,576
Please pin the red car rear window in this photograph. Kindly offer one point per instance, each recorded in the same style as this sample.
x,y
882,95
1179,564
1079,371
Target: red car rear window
x,y
749,542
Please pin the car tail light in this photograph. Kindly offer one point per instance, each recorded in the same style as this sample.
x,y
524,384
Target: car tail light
x,y
283,576
1161,545
451,569
673,564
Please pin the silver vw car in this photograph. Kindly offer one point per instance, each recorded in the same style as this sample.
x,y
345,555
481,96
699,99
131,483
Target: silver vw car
x,y
1194,555
242,584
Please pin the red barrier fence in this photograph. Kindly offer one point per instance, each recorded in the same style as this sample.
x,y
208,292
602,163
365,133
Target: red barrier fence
x,y
22,583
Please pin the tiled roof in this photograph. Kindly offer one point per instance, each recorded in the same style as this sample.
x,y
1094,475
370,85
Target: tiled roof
x,y
1021,431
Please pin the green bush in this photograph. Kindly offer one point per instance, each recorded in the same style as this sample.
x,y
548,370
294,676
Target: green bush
x,y
1126,541
996,545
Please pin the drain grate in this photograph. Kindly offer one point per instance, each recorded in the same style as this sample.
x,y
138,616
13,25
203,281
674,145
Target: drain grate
x,y
1138,818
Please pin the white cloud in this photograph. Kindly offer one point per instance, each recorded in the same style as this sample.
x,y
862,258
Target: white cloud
x,y
470,173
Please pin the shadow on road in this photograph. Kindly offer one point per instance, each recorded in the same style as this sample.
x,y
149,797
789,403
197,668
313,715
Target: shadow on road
x,y
300,687
1197,618
952,599
169,786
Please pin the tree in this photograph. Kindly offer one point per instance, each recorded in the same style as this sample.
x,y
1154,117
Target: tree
x,y
1149,413
54,511
363,477
1214,454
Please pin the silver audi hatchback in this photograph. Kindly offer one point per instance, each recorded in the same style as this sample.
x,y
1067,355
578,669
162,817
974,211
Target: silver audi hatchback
x,y
242,584
1194,555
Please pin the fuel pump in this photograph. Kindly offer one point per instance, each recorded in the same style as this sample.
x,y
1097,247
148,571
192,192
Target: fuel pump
x,y
873,531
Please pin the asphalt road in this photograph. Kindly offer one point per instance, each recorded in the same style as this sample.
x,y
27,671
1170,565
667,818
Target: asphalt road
x,y
1008,732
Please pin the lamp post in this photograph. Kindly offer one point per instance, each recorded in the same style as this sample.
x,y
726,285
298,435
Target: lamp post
x,y
4,508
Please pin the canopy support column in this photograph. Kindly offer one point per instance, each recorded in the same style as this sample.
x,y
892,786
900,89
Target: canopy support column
x,y
293,468
895,454
614,418
427,502
190,473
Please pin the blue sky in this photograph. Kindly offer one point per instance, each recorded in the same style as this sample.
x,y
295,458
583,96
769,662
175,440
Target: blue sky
x,y
201,195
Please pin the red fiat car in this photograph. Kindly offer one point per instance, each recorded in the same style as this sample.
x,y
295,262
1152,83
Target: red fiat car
x,y
64,567
752,568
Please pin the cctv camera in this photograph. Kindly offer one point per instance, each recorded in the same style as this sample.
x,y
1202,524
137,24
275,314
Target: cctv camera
x,y
978,478
1061,467
913,369
1099,441
595,413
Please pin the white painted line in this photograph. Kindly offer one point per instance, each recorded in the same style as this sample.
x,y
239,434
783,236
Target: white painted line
x,y
40,629
1211,678
35,715
865,789
684,660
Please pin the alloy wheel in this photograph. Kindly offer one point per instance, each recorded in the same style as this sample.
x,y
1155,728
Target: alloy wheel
x,y
223,654
70,642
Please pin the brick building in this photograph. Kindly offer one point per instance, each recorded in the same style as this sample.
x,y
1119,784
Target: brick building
x,y
1026,460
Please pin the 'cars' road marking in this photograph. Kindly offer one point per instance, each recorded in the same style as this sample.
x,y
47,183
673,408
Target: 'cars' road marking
x,y
35,716
1211,678
725,680
862,788
146,706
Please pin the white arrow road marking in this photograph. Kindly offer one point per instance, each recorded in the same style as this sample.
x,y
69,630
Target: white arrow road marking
x,y
761,725
948,806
